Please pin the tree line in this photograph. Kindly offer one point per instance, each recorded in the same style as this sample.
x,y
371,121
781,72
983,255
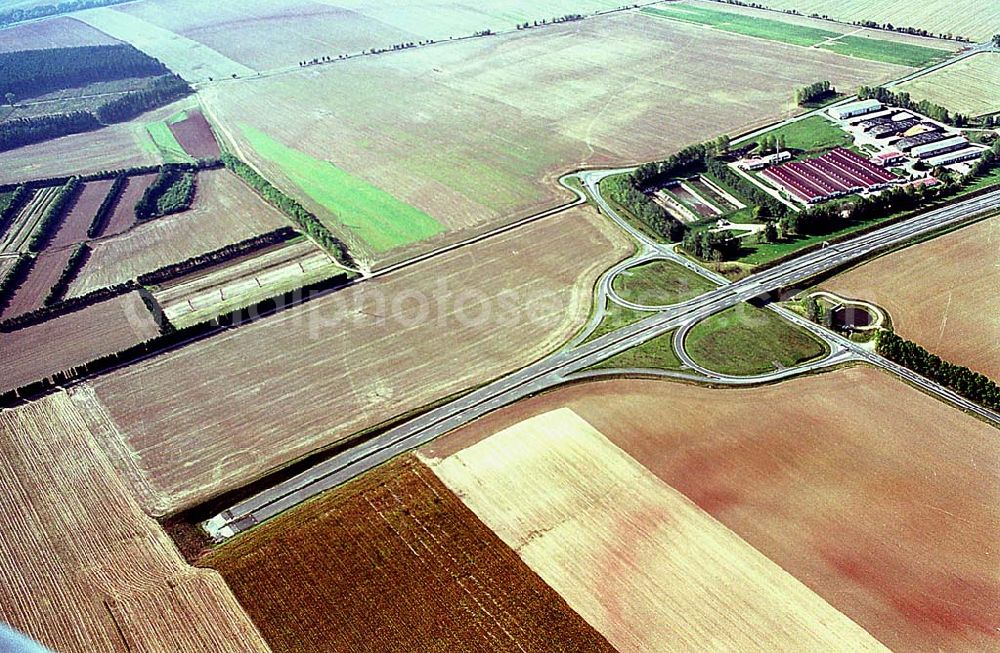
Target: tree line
x,y
15,276
624,192
171,192
69,272
904,101
100,220
298,214
215,257
122,108
53,216
813,92
19,132
968,383
29,73
710,246
18,199
12,16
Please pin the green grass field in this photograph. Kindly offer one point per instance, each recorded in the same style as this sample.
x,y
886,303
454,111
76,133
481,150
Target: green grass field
x,y
379,219
615,318
660,283
655,354
166,144
746,340
814,134
872,49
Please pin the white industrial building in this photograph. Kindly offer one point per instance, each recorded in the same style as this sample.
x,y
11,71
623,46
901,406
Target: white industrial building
x,y
967,154
940,147
855,109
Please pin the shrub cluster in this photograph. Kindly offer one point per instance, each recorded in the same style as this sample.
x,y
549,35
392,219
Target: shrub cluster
x,y
171,192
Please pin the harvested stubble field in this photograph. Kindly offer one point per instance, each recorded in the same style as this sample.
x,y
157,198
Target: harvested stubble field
x,y
38,351
215,415
393,562
941,294
594,92
279,33
54,33
243,282
225,211
83,569
123,217
884,501
45,271
110,148
18,235
195,135
641,563
74,226
971,18
970,86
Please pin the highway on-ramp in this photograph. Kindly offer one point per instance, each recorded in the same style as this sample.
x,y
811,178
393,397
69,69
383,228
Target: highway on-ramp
x,y
555,369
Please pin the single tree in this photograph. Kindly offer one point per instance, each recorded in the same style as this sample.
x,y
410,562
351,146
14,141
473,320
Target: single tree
x,y
10,98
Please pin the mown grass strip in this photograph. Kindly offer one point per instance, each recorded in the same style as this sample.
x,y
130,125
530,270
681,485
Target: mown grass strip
x,y
166,144
379,219
895,52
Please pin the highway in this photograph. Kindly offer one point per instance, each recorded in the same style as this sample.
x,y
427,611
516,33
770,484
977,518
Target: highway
x,y
560,366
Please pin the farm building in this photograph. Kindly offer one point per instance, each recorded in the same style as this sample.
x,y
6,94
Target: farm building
x,y
958,156
892,128
836,173
761,162
907,143
855,109
886,159
940,147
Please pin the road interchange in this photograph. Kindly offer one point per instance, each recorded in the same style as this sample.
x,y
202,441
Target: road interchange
x,y
571,361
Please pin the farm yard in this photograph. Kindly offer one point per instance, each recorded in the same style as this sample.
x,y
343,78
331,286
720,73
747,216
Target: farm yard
x,y
225,211
428,105
35,352
243,282
641,563
882,500
393,562
356,358
970,86
971,18
940,294
84,569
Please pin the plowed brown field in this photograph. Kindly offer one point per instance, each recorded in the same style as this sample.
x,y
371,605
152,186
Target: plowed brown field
x,y
83,569
219,413
195,136
882,500
225,211
395,563
32,292
123,217
941,294
35,352
77,221
54,33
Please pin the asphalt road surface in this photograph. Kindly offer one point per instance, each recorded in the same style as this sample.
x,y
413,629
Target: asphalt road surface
x,y
555,369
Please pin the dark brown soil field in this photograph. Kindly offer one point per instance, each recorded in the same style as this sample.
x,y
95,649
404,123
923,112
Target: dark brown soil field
x,y
77,221
45,272
35,352
882,500
124,215
195,136
394,562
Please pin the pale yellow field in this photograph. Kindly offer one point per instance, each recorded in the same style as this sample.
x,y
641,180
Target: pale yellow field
x,y
970,86
83,569
641,563
225,211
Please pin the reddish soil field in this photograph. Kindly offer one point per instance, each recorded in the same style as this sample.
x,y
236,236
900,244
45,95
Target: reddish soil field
x,y
881,499
394,562
77,221
124,214
45,272
195,136
35,352
54,33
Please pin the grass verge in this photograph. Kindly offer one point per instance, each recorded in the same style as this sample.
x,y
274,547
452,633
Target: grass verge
x,y
166,144
660,283
655,354
745,340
